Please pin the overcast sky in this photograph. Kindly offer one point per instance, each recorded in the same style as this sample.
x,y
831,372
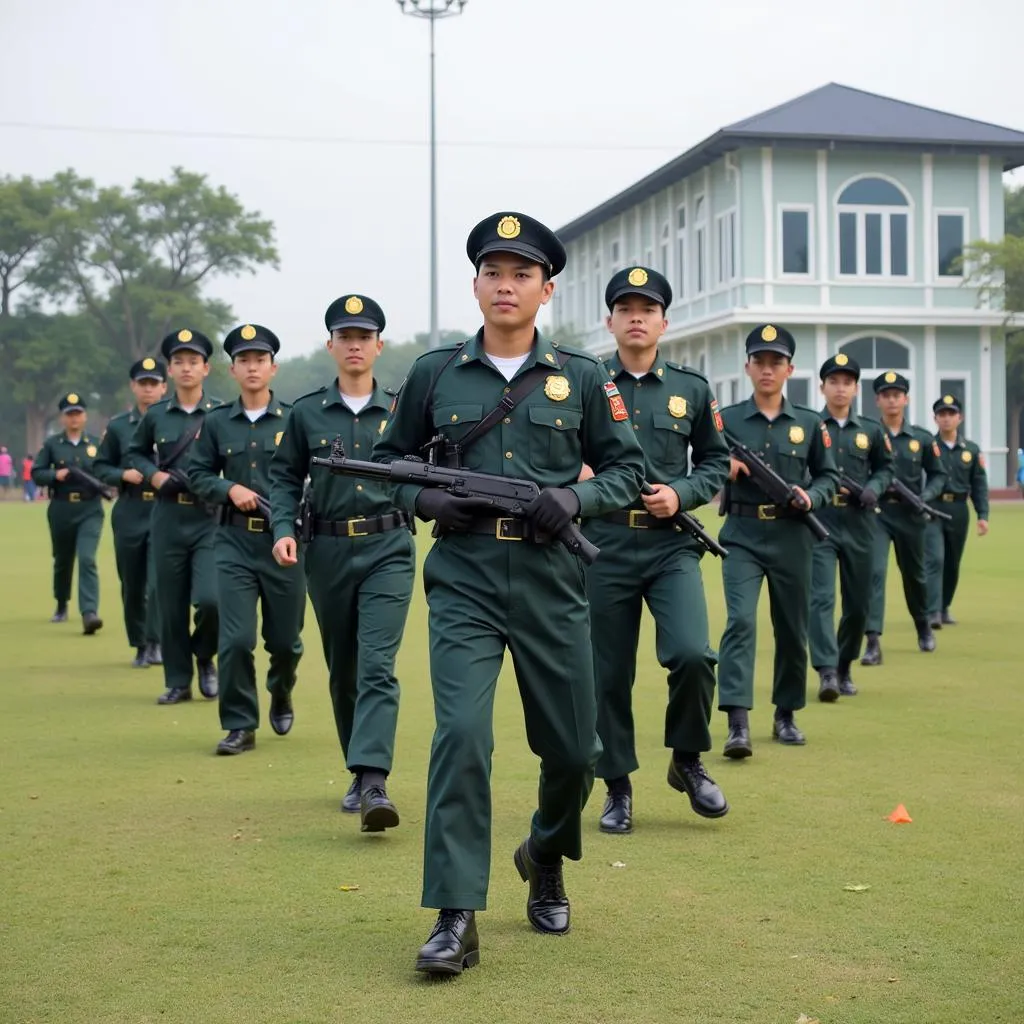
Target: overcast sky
x,y
545,106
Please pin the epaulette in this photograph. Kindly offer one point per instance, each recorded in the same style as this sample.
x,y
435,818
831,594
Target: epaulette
x,y
686,369
577,353
122,416
212,403
310,394
816,413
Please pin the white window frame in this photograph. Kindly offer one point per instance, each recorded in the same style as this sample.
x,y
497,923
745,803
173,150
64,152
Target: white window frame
x,y
725,225
810,386
865,394
861,211
791,275
665,250
944,280
969,418
598,296
682,240
700,246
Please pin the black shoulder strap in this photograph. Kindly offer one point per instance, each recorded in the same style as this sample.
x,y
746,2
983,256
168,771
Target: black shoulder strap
x,y
180,445
428,404
524,386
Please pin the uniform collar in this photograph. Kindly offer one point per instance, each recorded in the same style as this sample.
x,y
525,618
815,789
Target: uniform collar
x,y
657,370
203,403
853,420
960,443
273,407
378,397
905,428
751,410
544,352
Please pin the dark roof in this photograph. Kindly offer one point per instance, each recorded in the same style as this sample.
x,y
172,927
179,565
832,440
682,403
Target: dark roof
x,y
835,117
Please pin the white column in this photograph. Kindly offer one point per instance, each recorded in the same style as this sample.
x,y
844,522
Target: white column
x,y
929,379
985,389
820,345
984,201
822,218
928,226
768,202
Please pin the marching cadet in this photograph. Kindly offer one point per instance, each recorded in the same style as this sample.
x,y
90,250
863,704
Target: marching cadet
x,y
915,454
130,518
945,541
229,468
75,512
182,530
768,542
645,557
534,411
862,452
361,562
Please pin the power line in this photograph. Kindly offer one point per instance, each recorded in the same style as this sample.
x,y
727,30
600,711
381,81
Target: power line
x,y
330,140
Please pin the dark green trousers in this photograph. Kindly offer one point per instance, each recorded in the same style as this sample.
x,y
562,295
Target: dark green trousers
x,y
899,526
133,552
658,567
485,595
944,550
248,578
186,576
849,547
360,588
75,529
778,552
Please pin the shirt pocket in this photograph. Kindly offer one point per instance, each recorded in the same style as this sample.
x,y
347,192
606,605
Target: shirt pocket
x,y
554,437
670,443
456,421
855,463
791,462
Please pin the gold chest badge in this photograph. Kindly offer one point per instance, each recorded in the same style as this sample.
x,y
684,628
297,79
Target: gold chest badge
x,y
557,388
862,442
278,436
796,435
677,407
91,452
915,445
967,456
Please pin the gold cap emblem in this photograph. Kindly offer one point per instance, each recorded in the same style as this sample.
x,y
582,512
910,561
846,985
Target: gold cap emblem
x,y
842,359
185,335
796,435
967,456
915,445
508,227
637,277
890,378
248,332
769,333
557,388
73,399
862,442
149,364
353,305
948,399
91,452
677,407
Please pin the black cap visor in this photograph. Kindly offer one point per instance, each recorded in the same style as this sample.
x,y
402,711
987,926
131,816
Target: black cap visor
x,y
358,322
187,346
647,293
531,252
770,346
149,375
255,345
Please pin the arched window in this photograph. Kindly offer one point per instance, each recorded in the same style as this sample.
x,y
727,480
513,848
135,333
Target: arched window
x,y
875,355
874,229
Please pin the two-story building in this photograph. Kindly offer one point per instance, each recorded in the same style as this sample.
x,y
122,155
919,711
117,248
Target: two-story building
x,y
841,215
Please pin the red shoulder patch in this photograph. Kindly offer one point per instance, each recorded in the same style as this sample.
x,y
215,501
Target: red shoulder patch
x,y
615,403
718,416
826,437
935,450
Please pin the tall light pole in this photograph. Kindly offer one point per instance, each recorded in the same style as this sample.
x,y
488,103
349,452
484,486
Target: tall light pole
x,y
433,10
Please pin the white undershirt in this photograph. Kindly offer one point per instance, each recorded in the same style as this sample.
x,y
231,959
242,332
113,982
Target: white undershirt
x,y
950,444
508,366
188,408
357,403
638,376
252,415
79,441
841,422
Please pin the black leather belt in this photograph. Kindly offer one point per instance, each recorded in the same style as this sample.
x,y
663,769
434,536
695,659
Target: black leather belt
x,y
959,498
361,526
138,492
177,498
637,519
766,513
504,528
251,524
74,496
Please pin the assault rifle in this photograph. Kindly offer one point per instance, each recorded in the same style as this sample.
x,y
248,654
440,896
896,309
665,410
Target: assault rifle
x,y
508,496
780,492
900,490
693,526
856,490
93,483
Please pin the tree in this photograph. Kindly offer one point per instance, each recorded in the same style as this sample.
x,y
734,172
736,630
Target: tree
x,y
26,221
1013,203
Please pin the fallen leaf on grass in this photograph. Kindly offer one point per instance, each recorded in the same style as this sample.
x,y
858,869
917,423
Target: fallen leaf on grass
x,y
237,835
179,781
856,888
348,888
616,864
891,980
33,796
804,1019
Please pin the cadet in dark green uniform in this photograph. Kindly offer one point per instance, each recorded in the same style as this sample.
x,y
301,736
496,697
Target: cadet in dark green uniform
x,y
182,529
131,516
75,513
964,464
915,454
862,452
485,594
769,542
645,557
229,468
361,561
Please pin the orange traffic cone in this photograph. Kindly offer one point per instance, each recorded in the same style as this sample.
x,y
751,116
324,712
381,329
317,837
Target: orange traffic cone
x,y
900,816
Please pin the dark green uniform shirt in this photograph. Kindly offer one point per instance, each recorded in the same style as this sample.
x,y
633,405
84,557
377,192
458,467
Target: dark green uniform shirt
x,y
230,445
314,422
112,460
158,431
915,452
59,453
964,466
673,411
576,414
861,450
795,444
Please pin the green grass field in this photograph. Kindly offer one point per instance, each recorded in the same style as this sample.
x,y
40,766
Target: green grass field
x,y
146,880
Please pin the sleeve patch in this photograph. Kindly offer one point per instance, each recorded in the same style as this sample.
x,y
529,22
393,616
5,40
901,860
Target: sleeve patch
x,y
935,450
717,415
981,461
826,437
615,403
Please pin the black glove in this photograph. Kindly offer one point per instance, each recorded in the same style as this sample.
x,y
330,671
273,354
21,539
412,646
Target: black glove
x,y
450,512
552,510
868,498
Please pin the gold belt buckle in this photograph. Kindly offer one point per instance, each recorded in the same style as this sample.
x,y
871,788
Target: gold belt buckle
x,y
634,519
949,497
255,524
499,525
148,495
185,499
840,500
766,513
351,526
74,496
